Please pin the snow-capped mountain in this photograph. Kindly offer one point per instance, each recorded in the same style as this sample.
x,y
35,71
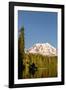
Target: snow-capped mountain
x,y
43,49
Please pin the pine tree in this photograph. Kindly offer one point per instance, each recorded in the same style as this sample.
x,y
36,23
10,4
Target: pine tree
x,y
20,53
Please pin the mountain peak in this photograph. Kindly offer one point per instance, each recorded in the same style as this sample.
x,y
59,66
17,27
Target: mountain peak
x,y
43,49
47,43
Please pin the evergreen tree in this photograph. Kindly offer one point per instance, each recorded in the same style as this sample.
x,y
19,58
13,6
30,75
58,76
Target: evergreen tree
x,y
20,53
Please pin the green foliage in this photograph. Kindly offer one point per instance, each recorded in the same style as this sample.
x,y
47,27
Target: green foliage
x,y
46,65
20,52
21,42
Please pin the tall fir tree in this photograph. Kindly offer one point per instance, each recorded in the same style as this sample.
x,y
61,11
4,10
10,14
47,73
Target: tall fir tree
x,y
21,53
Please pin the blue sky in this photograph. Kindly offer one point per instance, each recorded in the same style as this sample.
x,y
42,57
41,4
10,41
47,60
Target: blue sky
x,y
40,27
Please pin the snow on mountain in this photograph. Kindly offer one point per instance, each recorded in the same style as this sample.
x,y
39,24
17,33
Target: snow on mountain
x,y
43,49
